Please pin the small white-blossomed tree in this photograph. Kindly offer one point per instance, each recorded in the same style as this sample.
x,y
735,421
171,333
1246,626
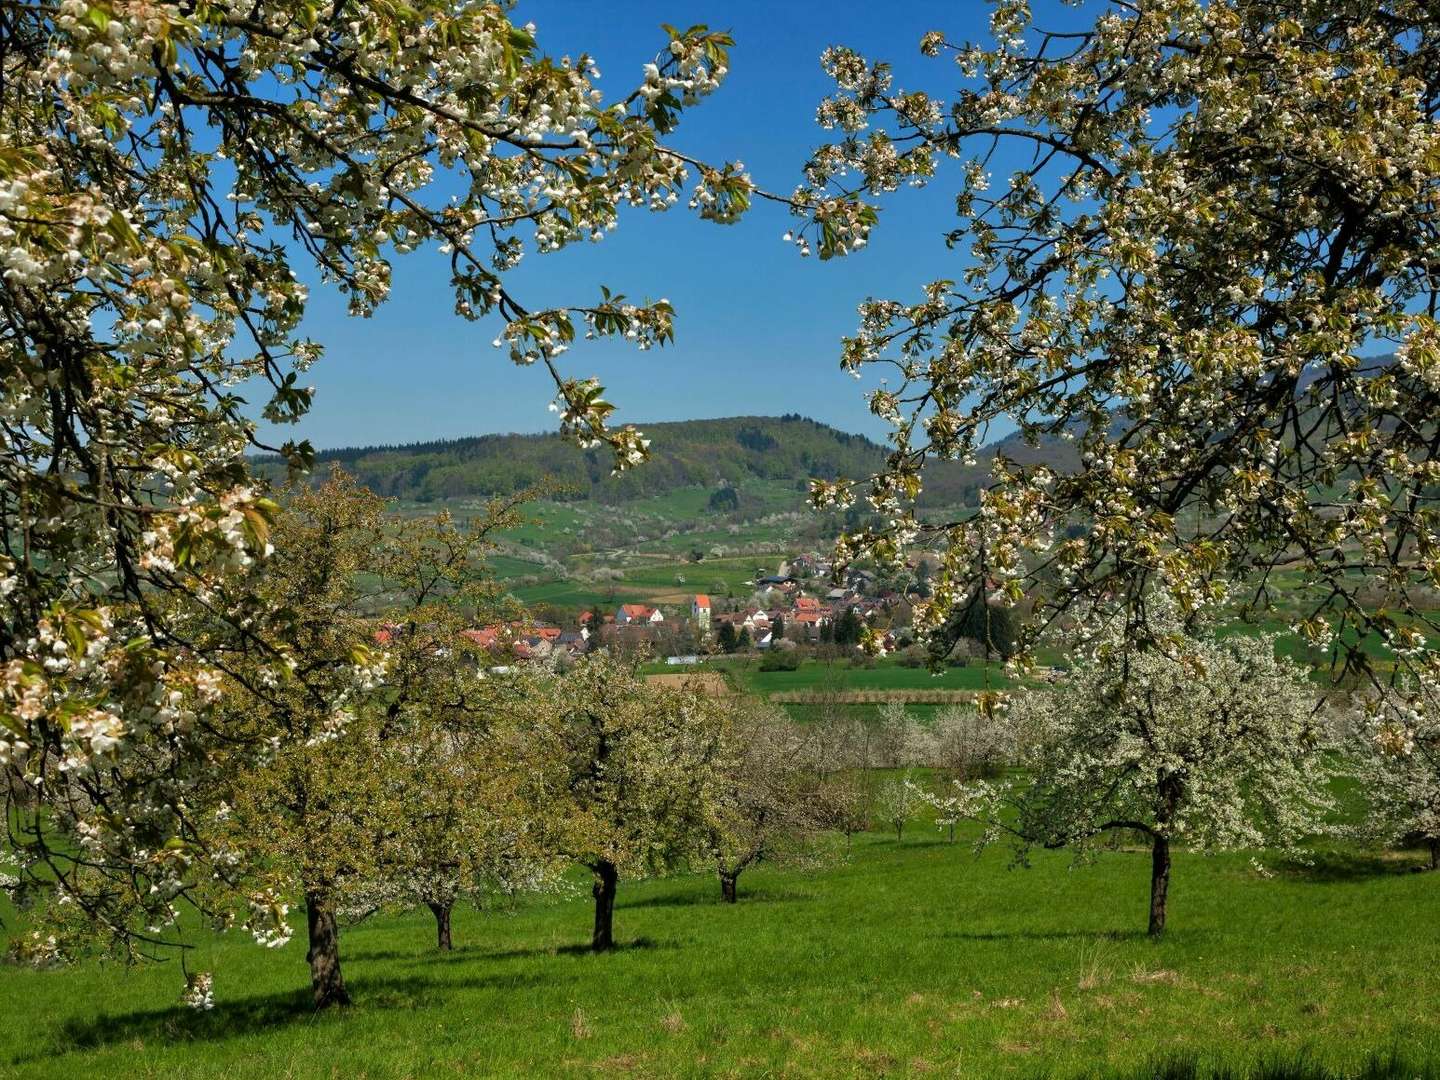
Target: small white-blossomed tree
x,y
457,830
971,743
452,843
900,741
622,776
1210,743
769,804
897,801
1395,750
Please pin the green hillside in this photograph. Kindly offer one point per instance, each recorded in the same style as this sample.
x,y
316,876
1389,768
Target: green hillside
x,y
685,454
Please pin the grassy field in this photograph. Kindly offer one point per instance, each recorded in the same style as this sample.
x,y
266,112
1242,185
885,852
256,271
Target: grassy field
x,y
904,959
652,581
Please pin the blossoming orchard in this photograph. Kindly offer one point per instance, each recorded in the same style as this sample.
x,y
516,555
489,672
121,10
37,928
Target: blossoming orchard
x,y
1135,564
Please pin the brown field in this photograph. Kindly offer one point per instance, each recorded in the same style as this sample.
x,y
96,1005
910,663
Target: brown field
x,y
707,683
874,697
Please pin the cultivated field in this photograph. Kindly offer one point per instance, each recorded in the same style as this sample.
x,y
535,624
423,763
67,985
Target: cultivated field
x,y
708,683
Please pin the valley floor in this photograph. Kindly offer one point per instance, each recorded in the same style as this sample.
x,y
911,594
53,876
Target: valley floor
x,y
905,958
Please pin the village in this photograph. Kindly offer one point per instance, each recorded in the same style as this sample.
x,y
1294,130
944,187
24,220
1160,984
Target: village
x,y
805,601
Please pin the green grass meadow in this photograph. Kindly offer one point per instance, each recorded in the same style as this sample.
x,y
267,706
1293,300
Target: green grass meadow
x,y
903,959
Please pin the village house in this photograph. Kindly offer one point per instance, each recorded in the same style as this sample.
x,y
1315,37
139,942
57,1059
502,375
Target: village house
x,y
525,642
804,625
630,614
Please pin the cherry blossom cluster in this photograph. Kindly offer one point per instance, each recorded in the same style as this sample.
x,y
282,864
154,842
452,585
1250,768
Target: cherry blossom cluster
x,y
1231,393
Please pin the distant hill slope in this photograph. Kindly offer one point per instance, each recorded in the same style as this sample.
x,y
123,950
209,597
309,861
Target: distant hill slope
x,y
683,454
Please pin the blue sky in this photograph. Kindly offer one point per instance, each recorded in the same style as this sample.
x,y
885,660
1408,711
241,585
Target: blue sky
x,y
757,327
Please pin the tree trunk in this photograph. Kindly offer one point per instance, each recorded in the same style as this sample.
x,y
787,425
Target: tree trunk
x,y
442,925
727,886
326,982
952,832
1435,853
899,831
606,879
1159,882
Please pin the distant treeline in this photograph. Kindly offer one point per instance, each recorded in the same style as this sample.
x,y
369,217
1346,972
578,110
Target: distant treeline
x,y
684,454
687,453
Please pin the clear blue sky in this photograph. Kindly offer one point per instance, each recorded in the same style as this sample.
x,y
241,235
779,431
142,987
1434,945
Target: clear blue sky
x,y
757,327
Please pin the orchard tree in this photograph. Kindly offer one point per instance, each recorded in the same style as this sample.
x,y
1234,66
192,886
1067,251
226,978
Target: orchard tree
x,y
899,740
458,828
170,177
897,802
304,816
1200,245
768,805
1208,743
971,743
455,836
387,779
623,775
1396,755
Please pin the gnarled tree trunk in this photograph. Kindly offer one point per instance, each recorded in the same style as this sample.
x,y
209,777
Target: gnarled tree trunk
x,y
607,877
728,880
326,983
1159,881
442,925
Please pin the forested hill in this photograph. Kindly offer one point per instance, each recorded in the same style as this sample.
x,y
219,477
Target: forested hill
x,y
686,453
683,454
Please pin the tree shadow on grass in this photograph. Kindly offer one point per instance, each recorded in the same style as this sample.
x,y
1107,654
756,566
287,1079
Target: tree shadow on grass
x,y
1044,935
1331,866
255,1015
758,895
917,842
484,953
1389,1065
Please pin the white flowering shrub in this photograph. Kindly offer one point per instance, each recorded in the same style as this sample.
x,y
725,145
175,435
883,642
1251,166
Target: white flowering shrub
x,y
900,740
199,991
